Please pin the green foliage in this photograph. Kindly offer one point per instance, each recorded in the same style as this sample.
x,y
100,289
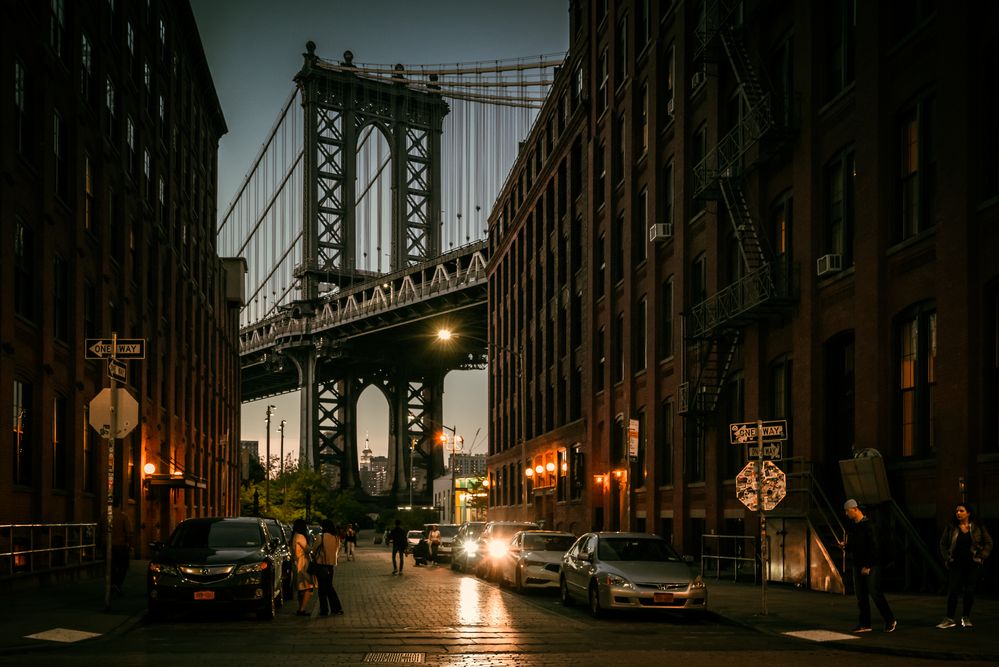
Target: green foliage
x,y
303,493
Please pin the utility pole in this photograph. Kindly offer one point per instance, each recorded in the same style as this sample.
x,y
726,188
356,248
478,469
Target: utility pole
x,y
267,466
281,431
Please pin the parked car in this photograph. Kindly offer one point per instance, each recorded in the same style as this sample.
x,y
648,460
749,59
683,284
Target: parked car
x,y
413,538
210,562
629,571
493,543
283,532
534,559
465,542
448,533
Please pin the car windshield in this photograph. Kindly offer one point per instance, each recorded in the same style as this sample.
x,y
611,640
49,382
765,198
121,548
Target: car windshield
x,y
548,542
506,532
448,531
217,535
635,549
414,534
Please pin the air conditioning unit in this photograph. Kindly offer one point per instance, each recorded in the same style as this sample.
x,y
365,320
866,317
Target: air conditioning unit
x,y
670,108
829,264
662,231
698,78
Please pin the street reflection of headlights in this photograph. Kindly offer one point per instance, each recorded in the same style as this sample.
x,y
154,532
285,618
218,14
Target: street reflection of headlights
x,y
620,582
698,582
160,568
497,549
252,567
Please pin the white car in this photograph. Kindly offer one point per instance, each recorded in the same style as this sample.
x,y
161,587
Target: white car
x,y
630,571
534,559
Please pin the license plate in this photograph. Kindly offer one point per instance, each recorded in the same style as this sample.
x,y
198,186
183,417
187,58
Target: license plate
x,y
204,595
662,598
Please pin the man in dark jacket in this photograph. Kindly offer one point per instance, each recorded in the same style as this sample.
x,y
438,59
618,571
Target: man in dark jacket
x,y
397,536
862,544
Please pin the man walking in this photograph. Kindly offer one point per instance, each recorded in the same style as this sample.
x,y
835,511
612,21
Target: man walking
x,y
397,536
862,543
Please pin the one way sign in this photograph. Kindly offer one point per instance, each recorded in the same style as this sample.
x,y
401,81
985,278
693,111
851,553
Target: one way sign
x,y
746,432
127,348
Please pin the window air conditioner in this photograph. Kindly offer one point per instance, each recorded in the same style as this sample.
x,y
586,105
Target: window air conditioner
x,y
662,231
698,78
829,264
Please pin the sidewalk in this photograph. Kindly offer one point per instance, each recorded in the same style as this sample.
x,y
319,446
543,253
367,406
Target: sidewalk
x,y
78,607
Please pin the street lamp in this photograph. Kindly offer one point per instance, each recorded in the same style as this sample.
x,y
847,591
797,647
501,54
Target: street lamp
x,y
412,477
455,447
281,431
446,335
267,469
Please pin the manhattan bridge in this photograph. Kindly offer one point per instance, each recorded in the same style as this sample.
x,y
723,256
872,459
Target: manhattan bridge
x,y
363,221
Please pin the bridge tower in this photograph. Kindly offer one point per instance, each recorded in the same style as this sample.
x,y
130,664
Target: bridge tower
x,y
339,103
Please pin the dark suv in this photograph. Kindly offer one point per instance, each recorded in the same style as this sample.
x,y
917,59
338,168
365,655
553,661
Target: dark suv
x,y
283,533
465,543
211,562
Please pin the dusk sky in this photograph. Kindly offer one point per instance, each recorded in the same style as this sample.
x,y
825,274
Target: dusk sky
x,y
254,48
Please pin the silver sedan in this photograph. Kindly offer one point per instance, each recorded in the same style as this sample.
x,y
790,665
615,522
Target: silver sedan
x,y
534,558
629,571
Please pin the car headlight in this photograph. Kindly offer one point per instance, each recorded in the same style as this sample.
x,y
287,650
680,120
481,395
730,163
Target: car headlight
x,y
698,582
252,567
497,549
615,580
160,568
470,548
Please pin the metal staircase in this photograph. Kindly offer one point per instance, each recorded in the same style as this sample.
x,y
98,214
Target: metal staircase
x,y
764,289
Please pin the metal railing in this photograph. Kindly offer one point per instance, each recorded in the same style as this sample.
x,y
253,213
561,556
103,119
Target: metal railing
x,y
732,551
38,547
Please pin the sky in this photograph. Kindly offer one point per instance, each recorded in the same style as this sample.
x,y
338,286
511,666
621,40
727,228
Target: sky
x,y
254,48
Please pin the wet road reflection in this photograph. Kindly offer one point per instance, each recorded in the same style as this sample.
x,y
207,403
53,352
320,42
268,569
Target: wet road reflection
x,y
480,604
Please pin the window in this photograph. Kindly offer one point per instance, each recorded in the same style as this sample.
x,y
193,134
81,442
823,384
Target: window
x,y
602,83
21,435
59,157
780,227
88,194
908,15
617,250
130,38
130,142
781,402
619,439
669,193
917,350
699,280
621,52
21,119
841,175
60,299
841,28
90,314
619,144
643,118
618,342
86,68
639,359
666,319
600,278
578,473
600,172
917,170
641,465
24,280
668,84
57,27
601,358
840,396
734,398
60,458
147,174
664,449
640,229
699,150
642,31
110,104
694,441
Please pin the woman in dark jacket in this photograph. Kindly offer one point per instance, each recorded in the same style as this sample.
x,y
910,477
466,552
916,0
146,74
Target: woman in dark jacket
x,y
964,545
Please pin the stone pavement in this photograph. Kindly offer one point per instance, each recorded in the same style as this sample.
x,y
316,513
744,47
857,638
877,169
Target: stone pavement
x,y
37,619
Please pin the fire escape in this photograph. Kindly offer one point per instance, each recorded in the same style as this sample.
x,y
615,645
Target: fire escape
x,y
714,326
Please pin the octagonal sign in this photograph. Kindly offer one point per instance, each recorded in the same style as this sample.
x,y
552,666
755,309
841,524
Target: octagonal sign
x,y
774,486
100,413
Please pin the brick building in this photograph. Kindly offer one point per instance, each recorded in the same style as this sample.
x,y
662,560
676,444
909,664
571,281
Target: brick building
x,y
759,210
108,139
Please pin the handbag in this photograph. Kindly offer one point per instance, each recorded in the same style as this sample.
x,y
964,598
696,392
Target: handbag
x,y
314,567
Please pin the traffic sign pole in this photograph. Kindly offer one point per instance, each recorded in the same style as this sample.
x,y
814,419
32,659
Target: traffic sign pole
x,y
764,550
110,489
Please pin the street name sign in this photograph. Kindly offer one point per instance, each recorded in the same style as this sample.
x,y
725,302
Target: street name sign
x,y
745,433
127,348
102,419
117,370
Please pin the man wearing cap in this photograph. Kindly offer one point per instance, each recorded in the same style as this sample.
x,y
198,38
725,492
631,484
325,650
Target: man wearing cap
x,y
862,543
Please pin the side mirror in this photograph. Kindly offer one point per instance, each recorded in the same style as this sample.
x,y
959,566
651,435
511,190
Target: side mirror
x,y
587,556
274,543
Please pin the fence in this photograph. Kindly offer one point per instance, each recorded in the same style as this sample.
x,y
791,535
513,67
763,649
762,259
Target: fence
x,y
731,550
37,547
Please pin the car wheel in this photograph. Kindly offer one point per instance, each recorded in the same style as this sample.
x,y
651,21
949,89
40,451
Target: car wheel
x,y
269,610
563,592
595,609
519,583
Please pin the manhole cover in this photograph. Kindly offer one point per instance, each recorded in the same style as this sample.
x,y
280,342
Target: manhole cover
x,y
393,657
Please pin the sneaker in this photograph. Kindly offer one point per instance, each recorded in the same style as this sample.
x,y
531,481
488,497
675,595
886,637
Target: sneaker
x,y
946,623
966,622
890,626
395,572
861,628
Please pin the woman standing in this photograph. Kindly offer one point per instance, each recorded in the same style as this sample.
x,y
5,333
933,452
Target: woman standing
x,y
324,553
964,545
304,582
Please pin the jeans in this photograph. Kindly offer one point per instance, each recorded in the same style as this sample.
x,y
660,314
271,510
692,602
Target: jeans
x,y
868,587
961,580
434,546
328,599
402,559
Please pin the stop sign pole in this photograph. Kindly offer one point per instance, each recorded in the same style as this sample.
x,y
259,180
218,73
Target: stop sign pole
x,y
112,432
764,550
